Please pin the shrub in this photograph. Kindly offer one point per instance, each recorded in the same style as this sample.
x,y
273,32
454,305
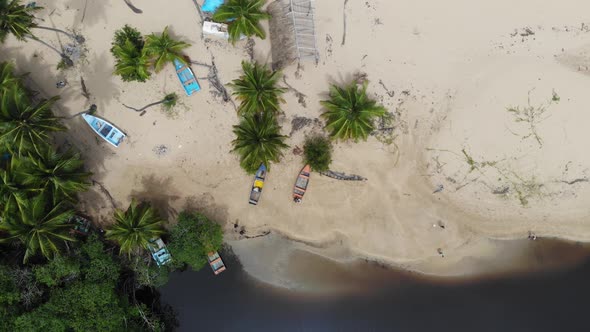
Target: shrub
x,y
318,153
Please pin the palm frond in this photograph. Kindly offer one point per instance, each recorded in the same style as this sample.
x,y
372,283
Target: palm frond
x,y
258,141
350,112
257,89
243,18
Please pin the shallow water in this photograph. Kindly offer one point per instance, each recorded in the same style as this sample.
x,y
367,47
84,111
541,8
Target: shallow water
x,y
551,300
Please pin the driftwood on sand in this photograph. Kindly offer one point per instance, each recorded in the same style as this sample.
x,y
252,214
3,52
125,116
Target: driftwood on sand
x,y
133,8
342,176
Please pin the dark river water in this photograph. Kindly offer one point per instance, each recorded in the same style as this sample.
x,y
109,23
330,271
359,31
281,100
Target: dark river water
x,y
553,301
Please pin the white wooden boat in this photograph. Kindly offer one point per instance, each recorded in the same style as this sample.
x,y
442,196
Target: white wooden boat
x,y
105,129
217,29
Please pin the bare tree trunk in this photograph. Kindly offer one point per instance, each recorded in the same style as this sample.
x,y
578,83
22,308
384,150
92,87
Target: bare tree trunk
x,y
133,8
146,106
63,56
78,38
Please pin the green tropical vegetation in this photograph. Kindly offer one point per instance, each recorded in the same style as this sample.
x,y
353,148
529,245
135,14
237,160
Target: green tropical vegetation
x,y
258,140
61,175
317,152
350,113
80,292
51,279
130,61
39,225
192,238
162,49
242,17
257,89
135,227
168,103
134,54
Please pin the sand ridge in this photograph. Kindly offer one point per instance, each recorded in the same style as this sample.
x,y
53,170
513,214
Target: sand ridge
x,y
447,71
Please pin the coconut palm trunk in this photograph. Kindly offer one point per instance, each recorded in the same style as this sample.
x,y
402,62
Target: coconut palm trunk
x,y
169,101
78,38
62,55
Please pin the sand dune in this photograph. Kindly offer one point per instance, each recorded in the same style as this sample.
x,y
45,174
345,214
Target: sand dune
x,y
448,71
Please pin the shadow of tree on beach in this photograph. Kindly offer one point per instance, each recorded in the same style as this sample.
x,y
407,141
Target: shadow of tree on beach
x,y
205,204
88,12
99,80
160,193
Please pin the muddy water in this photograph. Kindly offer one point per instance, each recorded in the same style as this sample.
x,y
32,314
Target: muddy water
x,y
545,298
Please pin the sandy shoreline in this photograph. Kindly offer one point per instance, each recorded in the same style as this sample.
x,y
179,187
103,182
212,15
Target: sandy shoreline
x,y
448,72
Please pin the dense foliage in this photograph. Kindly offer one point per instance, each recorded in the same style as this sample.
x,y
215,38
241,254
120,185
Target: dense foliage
x,y
243,18
350,112
192,238
134,55
75,293
317,152
130,61
162,49
258,141
257,89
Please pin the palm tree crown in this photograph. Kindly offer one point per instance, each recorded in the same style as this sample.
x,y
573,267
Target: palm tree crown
x,y
243,18
163,49
350,112
61,175
131,63
16,19
39,225
257,90
25,126
258,140
135,227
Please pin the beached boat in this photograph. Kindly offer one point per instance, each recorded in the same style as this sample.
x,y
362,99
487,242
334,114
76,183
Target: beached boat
x,y
105,129
217,29
215,262
301,183
159,251
258,184
81,225
187,77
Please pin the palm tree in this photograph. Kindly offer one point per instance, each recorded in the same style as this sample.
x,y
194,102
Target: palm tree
x,y
243,18
13,190
135,227
60,175
169,102
39,225
257,89
163,49
25,126
132,64
18,20
350,112
258,140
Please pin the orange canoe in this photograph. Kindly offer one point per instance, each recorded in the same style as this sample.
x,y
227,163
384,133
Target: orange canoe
x,y
301,184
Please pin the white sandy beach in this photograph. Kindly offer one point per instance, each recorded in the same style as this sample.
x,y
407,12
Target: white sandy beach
x,y
451,68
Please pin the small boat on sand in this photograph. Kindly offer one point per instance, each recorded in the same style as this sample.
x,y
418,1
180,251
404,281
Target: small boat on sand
x,y
258,184
301,183
187,77
215,262
105,129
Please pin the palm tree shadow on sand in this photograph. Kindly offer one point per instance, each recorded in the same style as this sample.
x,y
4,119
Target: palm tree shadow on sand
x,y
160,193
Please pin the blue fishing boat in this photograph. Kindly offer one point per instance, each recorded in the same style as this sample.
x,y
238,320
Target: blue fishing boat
x,y
215,262
104,129
258,184
159,251
186,77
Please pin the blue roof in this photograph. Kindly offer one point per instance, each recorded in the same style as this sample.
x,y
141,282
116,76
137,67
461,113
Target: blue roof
x,y
211,6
